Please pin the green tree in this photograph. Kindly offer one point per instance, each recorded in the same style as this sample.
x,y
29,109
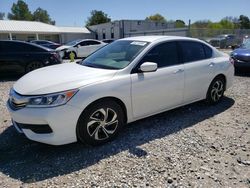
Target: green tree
x,y
20,11
42,15
244,22
226,24
2,15
201,24
157,18
234,20
215,26
179,23
97,17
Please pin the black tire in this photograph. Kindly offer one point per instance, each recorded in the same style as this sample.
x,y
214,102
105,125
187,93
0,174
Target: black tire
x,y
216,90
33,66
93,129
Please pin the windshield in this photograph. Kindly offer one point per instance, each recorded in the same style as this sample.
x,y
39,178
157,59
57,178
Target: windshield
x,y
116,55
246,44
72,43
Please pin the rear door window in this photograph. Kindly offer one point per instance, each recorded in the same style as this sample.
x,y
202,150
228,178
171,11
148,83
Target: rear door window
x,y
84,43
7,47
92,42
19,47
192,51
1,47
208,51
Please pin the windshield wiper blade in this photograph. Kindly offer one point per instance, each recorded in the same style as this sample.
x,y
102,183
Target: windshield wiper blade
x,y
89,65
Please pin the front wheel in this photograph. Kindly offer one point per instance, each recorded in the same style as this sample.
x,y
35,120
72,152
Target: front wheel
x,y
33,66
100,123
216,90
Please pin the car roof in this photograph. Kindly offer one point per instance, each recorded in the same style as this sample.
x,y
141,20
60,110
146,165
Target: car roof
x,y
155,38
24,42
40,41
82,40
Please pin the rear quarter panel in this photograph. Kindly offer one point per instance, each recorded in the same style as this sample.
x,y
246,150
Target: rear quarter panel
x,y
223,66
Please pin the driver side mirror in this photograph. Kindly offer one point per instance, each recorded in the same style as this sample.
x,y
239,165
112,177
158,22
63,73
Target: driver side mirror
x,y
148,67
78,46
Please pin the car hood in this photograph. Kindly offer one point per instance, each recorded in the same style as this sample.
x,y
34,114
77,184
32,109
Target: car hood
x,y
58,78
63,47
242,54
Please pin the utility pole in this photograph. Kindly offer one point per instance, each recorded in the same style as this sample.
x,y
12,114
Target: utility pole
x,y
189,28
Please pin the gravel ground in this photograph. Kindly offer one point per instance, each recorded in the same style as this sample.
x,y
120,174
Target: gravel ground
x,y
193,146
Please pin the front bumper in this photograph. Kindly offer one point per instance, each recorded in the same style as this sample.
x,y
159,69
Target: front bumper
x,y
62,120
62,53
241,64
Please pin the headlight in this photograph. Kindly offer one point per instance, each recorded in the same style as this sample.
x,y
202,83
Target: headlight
x,y
51,100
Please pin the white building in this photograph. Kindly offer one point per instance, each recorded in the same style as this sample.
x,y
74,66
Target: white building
x,y
127,28
32,30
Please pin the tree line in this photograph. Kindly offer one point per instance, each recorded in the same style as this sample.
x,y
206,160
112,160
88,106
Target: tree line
x,y
242,22
20,11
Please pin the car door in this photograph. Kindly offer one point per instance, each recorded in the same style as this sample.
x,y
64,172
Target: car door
x,y
199,69
1,55
11,57
153,92
82,49
230,40
93,46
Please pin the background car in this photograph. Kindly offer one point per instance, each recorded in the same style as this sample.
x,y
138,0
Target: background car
x,y
241,56
127,80
46,43
23,57
80,48
224,41
108,40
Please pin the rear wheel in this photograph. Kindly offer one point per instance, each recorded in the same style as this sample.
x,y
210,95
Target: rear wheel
x,y
100,123
216,90
33,65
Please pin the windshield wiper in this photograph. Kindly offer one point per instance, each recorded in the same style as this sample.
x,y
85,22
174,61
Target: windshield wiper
x,y
89,65
98,66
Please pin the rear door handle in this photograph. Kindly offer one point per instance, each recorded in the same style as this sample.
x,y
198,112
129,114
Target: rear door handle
x,y
211,64
178,71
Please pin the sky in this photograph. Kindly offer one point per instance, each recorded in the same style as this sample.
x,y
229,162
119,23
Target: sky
x,y
76,12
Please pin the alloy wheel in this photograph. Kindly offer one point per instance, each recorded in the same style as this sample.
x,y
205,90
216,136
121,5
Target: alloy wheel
x,y
34,65
102,124
217,90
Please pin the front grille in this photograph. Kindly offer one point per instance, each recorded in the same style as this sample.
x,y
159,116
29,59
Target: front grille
x,y
242,58
40,129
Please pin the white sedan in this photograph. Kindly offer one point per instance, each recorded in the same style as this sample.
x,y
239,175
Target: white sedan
x,y
80,48
127,80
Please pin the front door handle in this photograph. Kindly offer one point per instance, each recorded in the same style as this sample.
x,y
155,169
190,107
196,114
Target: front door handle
x,y
178,71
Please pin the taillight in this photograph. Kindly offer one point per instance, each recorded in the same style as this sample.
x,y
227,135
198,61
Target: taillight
x,y
231,60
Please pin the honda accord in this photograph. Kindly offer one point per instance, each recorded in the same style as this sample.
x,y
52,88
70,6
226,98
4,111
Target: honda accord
x,y
127,80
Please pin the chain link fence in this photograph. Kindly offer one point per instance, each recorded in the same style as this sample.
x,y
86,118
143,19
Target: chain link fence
x,y
222,38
